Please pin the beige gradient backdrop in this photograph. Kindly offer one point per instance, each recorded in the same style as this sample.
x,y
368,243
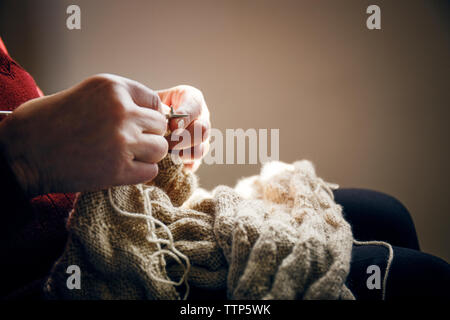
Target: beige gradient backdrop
x,y
369,108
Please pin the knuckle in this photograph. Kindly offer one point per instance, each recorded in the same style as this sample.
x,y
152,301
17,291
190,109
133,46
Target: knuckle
x,y
155,100
121,141
152,172
117,109
117,165
194,92
187,88
159,148
101,81
109,89
118,112
154,121
160,123
164,145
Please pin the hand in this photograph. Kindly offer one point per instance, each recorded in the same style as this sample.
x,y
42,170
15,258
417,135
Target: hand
x,y
189,135
105,131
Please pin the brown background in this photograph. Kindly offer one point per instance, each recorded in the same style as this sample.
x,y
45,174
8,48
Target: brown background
x,y
369,108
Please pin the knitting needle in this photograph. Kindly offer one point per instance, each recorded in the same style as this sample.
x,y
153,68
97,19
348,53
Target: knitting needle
x,y
171,115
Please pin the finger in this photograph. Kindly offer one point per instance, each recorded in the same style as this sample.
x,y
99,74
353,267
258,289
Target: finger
x,y
193,153
139,172
150,121
144,96
150,148
194,134
192,166
165,109
185,100
166,95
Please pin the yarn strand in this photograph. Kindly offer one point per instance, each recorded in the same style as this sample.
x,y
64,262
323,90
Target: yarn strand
x,y
152,238
328,188
389,260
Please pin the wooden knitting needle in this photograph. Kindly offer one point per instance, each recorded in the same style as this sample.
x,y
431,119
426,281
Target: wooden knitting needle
x,y
5,112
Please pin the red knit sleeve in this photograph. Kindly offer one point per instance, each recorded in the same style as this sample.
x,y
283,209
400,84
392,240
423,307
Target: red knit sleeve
x,y
32,232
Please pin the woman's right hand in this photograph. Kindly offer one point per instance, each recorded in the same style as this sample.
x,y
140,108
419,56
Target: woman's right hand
x,y
105,131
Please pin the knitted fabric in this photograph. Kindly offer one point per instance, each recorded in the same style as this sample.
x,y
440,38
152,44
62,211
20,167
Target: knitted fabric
x,y
277,235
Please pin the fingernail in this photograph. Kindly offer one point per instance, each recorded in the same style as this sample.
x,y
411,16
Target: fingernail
x,y
165,108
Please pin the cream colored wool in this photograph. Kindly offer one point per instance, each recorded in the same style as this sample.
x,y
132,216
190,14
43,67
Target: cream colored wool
x,y
278,235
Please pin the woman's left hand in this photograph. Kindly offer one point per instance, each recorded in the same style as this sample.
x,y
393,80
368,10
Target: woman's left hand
x,y
190,135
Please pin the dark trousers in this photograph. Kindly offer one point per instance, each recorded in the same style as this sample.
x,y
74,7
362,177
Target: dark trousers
x,y
378,216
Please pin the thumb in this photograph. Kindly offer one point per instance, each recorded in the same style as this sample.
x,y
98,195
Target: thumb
x,y
190,102
143,96
165,108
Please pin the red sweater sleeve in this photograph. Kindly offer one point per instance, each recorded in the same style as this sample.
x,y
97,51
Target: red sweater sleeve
x,y
32,231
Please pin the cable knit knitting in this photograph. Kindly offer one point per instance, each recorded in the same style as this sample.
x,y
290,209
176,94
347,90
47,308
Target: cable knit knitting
x,y
277,235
